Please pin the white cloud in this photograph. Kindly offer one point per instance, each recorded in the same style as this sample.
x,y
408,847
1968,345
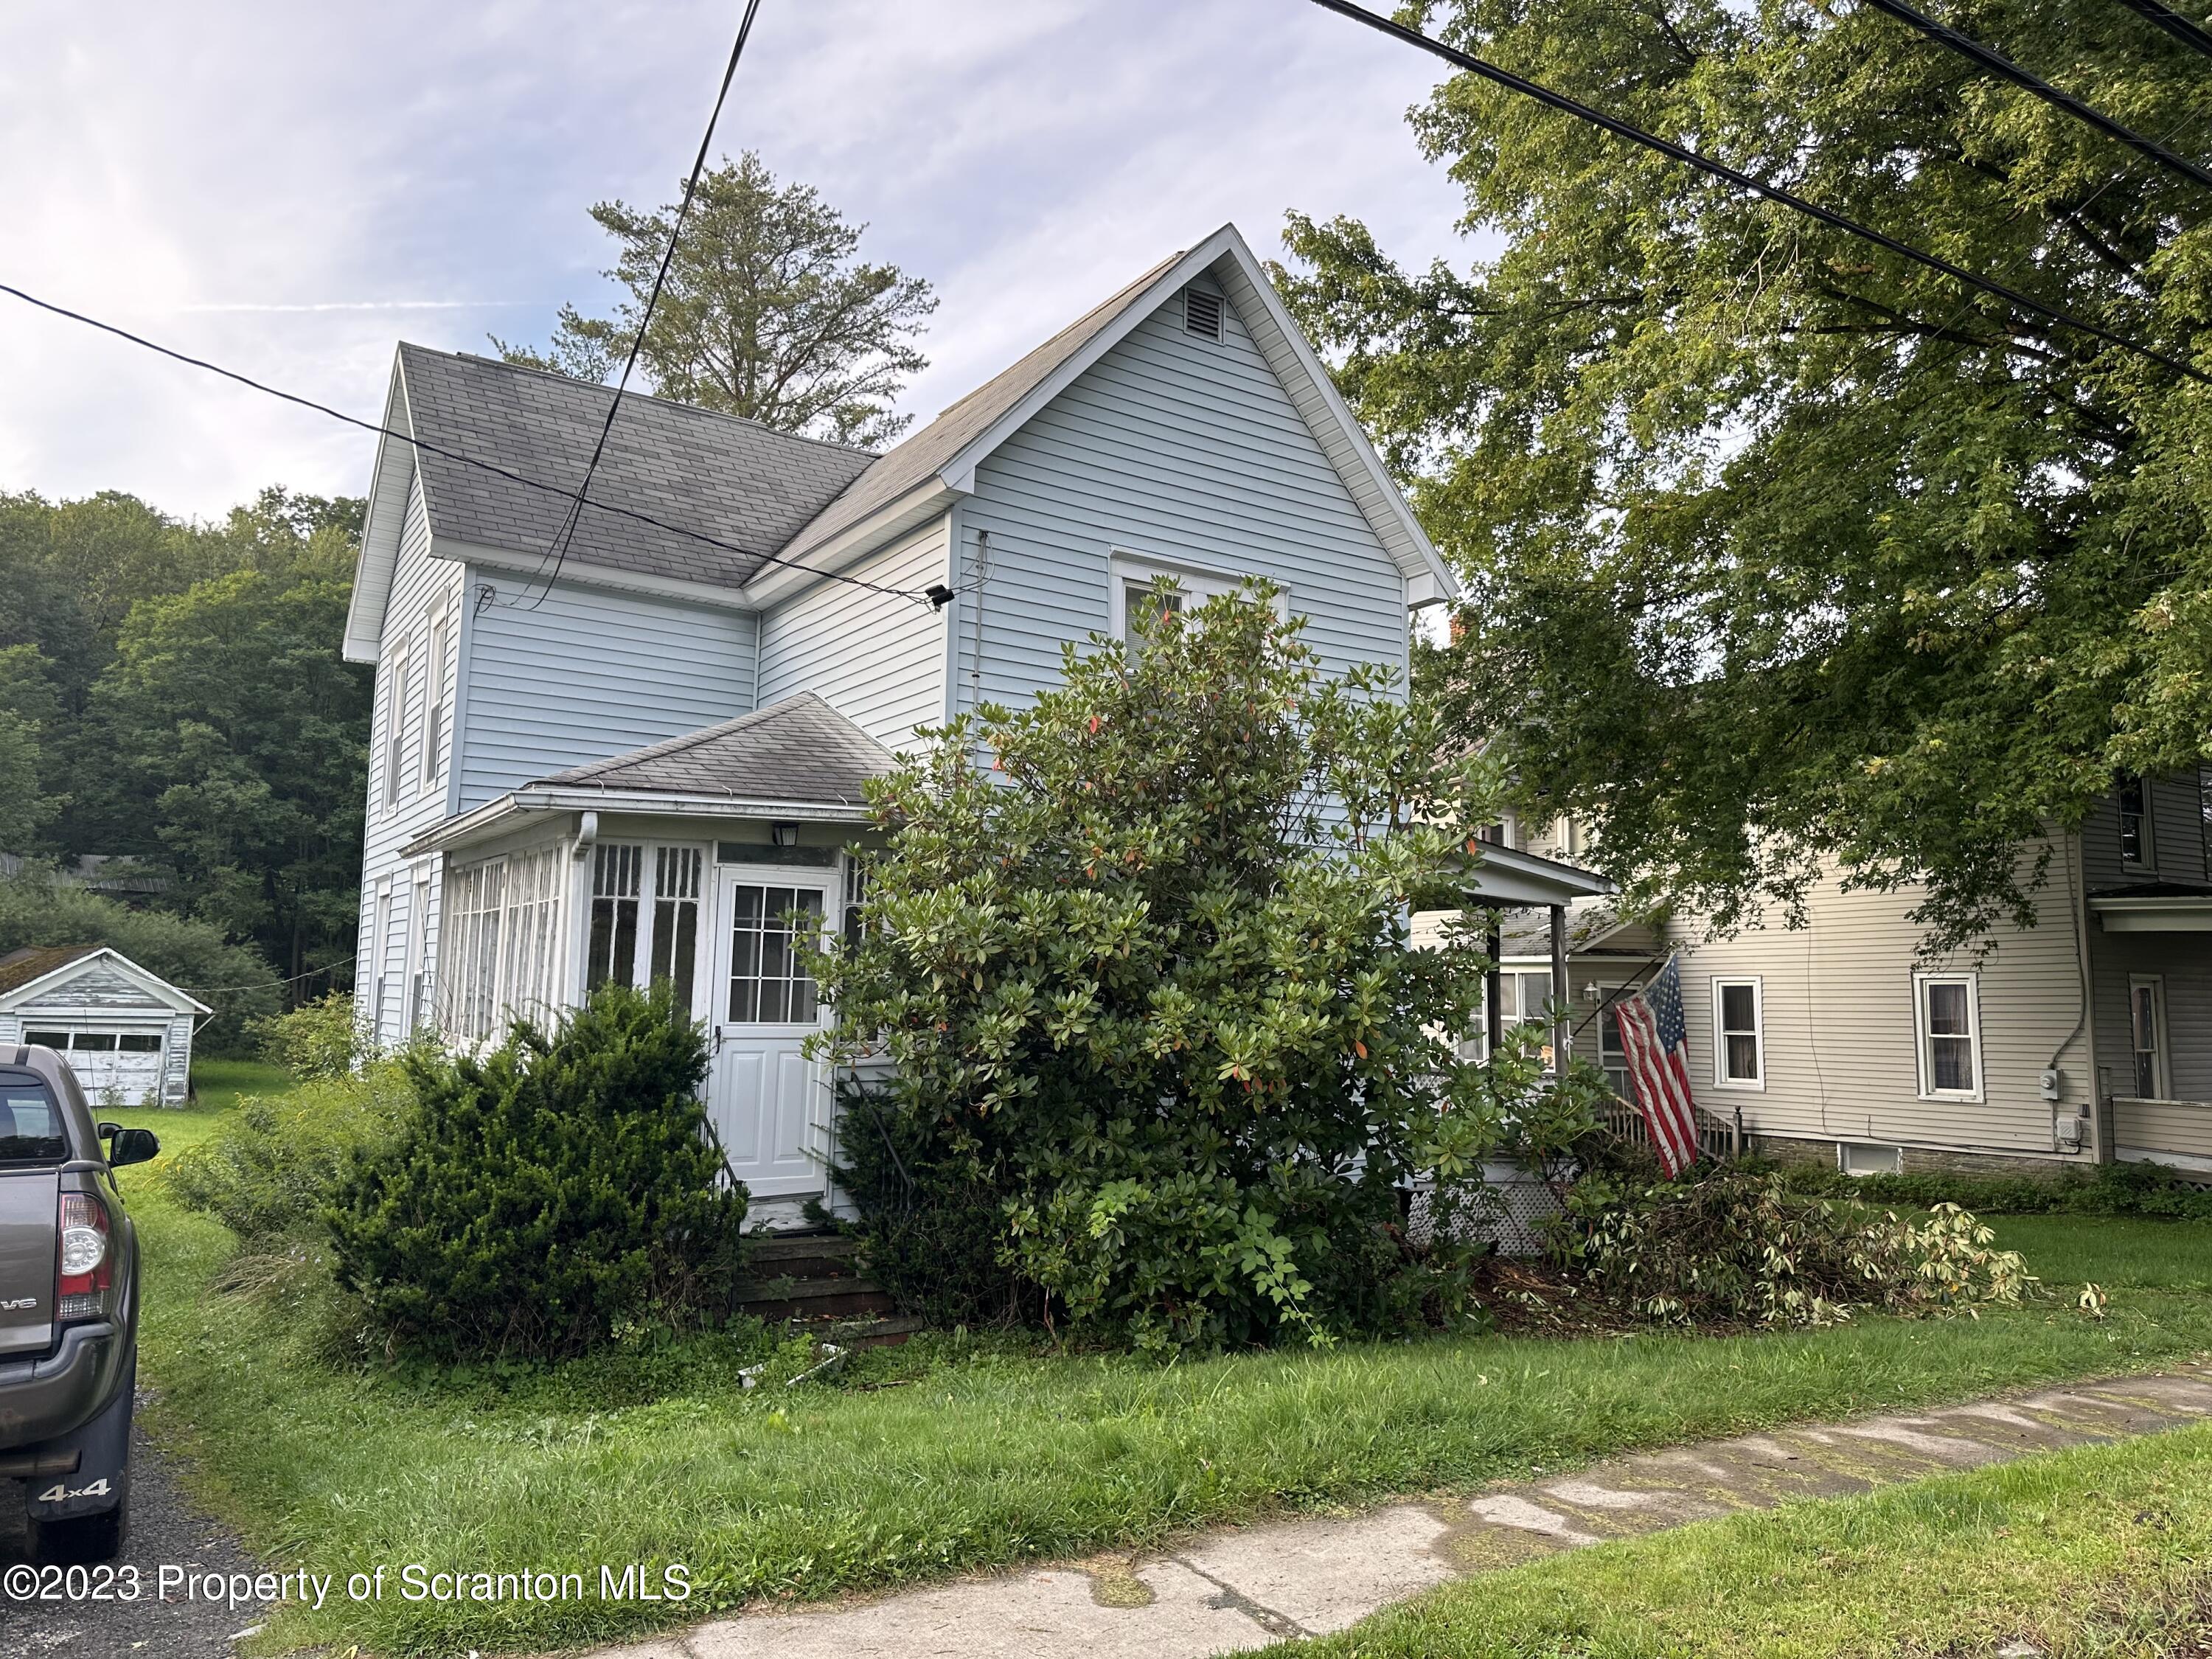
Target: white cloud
x,y
288,189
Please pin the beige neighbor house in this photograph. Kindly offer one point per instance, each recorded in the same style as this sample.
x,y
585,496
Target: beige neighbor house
x,y
2087,1038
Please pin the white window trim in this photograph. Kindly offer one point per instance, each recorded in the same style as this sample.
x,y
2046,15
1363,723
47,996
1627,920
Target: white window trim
x,y
1200,582
1721,1078
2156,983
1924,1038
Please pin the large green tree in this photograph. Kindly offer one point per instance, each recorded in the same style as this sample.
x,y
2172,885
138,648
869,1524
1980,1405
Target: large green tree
x,y
1782,549
241,739
766,312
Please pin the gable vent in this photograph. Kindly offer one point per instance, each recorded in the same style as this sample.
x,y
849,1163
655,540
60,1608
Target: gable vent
x,y
1201,312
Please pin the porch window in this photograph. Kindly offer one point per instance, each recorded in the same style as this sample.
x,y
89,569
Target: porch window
x,y
675,875
617,873
2147,1019
2135,820
1739,1034
769,981
468,953
1950,1034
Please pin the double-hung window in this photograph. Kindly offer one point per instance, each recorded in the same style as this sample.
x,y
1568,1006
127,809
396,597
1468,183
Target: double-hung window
x,y
1739,1034
1945,1010
395,727
2134,801
434,699
2147,1034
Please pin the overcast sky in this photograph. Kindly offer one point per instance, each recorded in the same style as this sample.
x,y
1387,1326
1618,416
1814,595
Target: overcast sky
x,y
289,189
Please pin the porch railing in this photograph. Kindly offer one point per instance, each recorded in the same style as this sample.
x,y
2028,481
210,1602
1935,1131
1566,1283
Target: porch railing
x,y
1718,1137
2180,1128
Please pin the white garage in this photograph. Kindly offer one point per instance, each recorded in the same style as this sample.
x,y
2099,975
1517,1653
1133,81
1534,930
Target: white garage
x,y
126,1033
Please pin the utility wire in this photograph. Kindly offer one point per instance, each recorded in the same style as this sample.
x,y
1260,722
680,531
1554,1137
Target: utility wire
x,y
558,550
509,473
1672,151
1997,64
2190,35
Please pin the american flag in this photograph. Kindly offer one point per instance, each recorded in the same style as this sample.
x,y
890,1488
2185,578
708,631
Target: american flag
x,y
1657,1050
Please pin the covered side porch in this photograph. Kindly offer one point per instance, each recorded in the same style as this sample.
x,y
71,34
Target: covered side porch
x,y
2150,958
699,861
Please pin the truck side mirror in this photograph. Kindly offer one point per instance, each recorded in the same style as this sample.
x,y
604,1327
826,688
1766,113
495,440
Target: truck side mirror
x,y
132,1146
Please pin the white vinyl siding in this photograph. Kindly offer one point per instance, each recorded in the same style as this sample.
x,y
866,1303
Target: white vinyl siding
x,y
1175,449
589,674
1840,1052
421,586
877,658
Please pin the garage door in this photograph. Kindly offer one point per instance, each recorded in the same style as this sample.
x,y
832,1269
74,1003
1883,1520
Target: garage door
x,y
123,1066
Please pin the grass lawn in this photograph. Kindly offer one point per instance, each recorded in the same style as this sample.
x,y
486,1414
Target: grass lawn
x,y
218,1085
2100,1550
950,1456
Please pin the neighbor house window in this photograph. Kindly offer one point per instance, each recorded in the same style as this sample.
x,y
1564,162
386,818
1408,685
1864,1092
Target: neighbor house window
x,y
2147,1023
1739,1034
395,728
434,701
2135,820
1950,1034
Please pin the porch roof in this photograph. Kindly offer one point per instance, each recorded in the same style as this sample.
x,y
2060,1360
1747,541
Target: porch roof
x,y
798,759
1507,877
2154,907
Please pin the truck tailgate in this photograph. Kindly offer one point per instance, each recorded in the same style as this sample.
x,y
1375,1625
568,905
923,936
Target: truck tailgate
x,y
29,1202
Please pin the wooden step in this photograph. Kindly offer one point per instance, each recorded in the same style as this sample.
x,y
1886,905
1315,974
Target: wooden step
x,y
813,1298
802,1255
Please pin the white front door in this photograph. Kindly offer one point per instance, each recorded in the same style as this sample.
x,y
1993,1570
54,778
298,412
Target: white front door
x,y
768,1102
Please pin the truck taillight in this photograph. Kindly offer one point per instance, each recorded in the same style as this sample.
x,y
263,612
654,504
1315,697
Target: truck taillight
x,y
88,1262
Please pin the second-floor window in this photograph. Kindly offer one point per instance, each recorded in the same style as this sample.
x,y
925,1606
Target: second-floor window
x,y
395,730
434,701
2135,820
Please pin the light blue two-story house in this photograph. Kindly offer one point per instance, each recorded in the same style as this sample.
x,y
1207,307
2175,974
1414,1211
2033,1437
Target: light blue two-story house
x,y
632,763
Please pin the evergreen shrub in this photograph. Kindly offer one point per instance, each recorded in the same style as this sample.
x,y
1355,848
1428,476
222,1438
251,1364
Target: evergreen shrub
x,y
564,1187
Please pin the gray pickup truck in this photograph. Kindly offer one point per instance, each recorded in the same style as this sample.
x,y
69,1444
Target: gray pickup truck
x,y
69,1308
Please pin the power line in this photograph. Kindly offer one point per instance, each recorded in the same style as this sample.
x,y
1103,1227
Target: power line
x,y
1997,64
2173,23
558,552
509,473
1672,151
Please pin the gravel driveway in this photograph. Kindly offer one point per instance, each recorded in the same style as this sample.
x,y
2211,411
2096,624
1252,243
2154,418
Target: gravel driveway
x,y
164,1530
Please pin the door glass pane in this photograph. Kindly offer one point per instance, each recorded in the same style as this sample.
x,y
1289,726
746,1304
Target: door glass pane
x,y
97,1041
140,1042
769,981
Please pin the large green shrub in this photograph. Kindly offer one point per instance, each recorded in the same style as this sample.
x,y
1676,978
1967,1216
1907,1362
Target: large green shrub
x,y
1737,1246
275,1164
566,1185
319,1039
1146,975
2155,1191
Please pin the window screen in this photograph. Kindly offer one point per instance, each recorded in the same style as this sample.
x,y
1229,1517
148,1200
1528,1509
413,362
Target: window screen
x,y
617,871
676,918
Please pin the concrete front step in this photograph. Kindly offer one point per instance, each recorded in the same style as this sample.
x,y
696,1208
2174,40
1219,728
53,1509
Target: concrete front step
x,y
1233,1589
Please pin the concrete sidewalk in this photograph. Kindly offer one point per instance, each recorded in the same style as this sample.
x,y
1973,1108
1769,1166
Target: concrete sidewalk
x,y
1232,1589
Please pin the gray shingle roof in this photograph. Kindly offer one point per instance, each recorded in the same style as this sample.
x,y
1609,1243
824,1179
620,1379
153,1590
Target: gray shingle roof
x,y
798,749
927,451
733,479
